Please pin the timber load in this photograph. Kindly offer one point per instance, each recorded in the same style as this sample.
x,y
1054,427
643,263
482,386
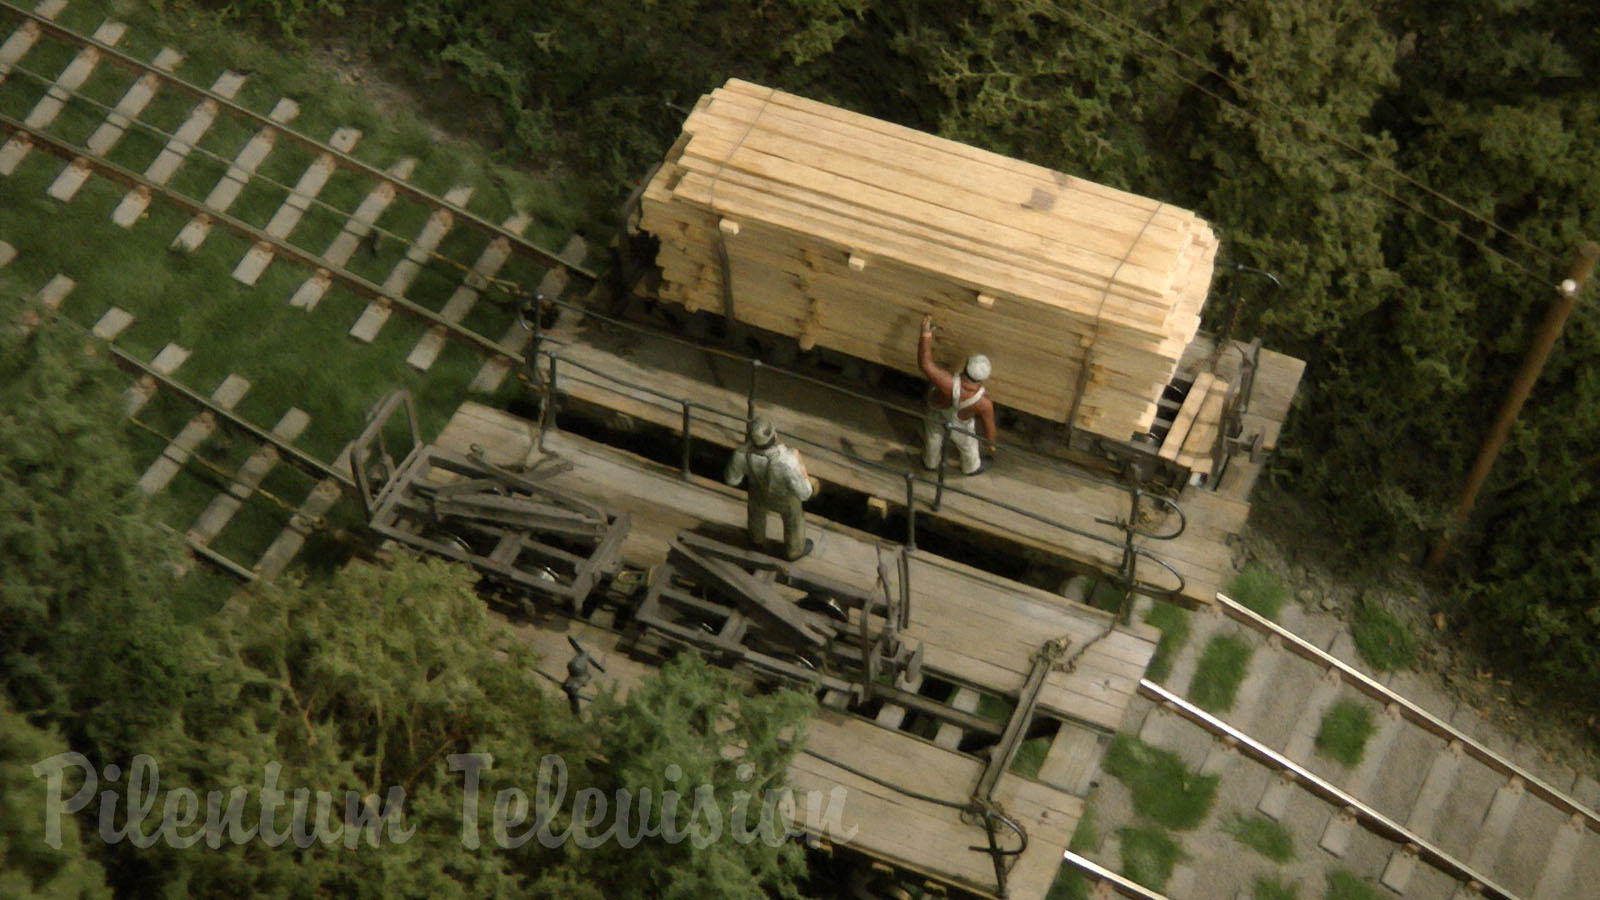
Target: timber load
x,y
841,230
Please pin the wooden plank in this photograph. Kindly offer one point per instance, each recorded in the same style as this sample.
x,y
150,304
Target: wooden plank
x,y
1142,269
974,627
1198,392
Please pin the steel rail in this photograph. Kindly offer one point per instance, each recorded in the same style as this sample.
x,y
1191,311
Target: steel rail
x,y
1369,818
127,61
285,450
1412,713
210,555
1118,883
70,152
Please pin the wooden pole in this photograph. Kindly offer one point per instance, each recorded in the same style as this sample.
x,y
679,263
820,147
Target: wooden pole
x,y
1521,386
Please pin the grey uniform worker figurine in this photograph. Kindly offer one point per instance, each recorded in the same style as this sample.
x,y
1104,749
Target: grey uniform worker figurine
x,y
778,483
957,405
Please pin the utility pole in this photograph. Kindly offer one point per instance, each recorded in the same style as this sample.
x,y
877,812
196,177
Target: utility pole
x,y
1522,385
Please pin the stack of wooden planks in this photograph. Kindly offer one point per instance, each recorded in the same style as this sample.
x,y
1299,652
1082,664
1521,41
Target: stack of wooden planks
x,y
841,230
1193,436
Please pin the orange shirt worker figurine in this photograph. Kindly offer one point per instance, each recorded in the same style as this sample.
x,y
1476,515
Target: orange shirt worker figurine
x,y
957,404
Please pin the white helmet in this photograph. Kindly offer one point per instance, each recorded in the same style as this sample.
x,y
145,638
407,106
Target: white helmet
x,y
760,432
978,367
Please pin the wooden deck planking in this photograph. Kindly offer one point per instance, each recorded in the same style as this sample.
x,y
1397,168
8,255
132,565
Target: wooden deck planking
x,y
924,836
892,440
975,627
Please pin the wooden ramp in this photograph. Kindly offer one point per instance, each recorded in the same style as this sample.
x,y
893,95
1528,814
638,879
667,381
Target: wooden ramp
x,y
977,630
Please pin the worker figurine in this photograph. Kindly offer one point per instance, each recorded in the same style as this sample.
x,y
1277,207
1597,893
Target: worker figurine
x,y
778,483
955,404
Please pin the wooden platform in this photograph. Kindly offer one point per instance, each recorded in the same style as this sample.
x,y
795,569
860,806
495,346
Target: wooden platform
x,y
857,444
976,628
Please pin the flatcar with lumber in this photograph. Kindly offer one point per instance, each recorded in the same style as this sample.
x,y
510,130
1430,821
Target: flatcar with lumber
x,y
836,232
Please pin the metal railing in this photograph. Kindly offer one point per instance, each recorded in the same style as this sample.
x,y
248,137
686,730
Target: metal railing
x,y
735,423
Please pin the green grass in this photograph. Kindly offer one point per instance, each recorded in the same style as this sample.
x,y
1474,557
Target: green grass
x,y
1107,595
1163,788
1344,732
1030,756
1086,836
1069,883
1149,855
1260,589
1174,624
1262,835
994,708
1345,885
1382,640
1221,670
1273,888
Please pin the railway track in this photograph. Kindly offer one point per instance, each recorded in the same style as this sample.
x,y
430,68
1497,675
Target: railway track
x,y
1430,810
446,217
196,457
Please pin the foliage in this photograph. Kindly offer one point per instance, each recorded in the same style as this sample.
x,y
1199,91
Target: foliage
x,y
1273,888
1163,788
359,687
1149,855
1173,621
1381,638
79,565
694,716
1259,589
1344,732
1069,883
29,867
1222,668
1345,885
1262,835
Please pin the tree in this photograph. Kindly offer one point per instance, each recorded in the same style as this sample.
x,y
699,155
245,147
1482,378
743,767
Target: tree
x,y
29,866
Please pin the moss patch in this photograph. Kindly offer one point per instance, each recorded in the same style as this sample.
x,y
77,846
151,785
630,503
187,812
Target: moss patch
x,y
1264,836
1260,589
1222,668
1149,855
1382,640
1345,729
1164,789
1174,624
